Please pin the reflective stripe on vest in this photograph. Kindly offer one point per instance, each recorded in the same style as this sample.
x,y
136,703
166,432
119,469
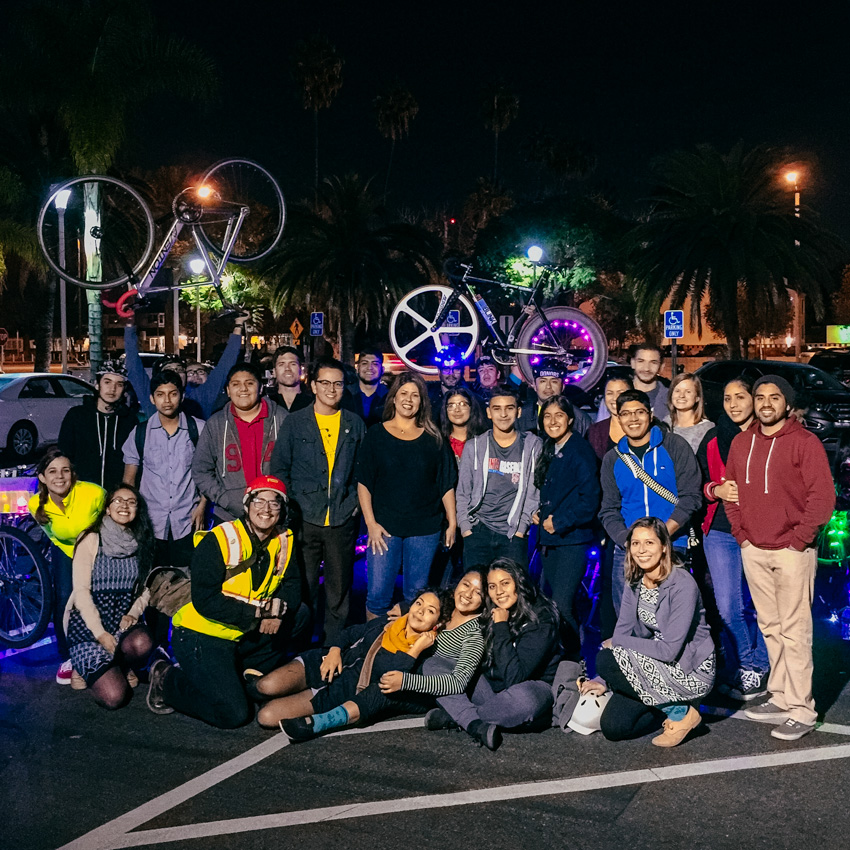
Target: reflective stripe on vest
x,y
235,546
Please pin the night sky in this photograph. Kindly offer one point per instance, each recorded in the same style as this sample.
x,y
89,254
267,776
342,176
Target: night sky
x,y
632,80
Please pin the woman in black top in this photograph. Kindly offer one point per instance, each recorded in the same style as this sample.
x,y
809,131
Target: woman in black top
x,y
521,656
406,478
566,475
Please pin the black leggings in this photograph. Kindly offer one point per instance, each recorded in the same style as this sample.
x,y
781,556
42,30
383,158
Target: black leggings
x,y
626,717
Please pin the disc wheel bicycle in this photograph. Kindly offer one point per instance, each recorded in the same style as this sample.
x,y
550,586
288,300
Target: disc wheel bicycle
x,y
96,231
410,327
26,594
238,183
577,337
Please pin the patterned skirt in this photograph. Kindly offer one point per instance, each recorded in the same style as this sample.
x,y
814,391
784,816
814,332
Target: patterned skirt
x,y
659,682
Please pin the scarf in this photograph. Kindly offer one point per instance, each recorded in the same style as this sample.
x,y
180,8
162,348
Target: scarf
x,y
116,540
393,640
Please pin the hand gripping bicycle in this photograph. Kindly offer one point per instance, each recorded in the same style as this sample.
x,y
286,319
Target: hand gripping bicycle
x,y
98,232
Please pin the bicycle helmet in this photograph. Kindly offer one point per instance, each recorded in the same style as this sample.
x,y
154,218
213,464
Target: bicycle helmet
x,y
168,360
549,367
449,357
110,367
587,715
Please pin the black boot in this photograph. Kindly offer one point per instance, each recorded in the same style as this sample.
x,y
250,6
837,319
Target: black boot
x,y
486,734
438,718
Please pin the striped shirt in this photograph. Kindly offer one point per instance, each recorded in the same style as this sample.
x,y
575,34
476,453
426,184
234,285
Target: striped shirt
x,y
465,644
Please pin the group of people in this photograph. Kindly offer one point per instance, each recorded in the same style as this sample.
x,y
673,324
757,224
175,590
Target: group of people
x,y
260,497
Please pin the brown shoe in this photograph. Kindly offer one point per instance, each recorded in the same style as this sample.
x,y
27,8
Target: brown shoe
x,y
78,683
675,731
132,679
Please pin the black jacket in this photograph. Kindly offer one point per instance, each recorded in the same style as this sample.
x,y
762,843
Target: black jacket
x,y
303,400
532,656
93,442
353,401
299,459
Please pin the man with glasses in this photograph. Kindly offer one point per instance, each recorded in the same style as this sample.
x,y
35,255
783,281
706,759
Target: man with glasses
x,y
315,457
648,473
367,398
246,590
196,373
288,391
236,445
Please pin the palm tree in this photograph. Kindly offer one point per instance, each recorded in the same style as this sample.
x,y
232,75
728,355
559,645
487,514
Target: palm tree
x,y
394,110
317,70
345,258
499,108
73,75
719,220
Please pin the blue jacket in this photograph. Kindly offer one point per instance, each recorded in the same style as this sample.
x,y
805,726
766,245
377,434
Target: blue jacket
x,y
625,498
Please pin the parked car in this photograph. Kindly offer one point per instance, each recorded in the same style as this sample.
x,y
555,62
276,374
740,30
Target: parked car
x,y
826,400
835,361
32,407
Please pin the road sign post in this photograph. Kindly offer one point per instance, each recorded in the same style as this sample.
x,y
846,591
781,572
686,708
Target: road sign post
x,y
674,328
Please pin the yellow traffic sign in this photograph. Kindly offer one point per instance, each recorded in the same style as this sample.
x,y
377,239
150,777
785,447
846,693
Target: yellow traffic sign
x,y
296,327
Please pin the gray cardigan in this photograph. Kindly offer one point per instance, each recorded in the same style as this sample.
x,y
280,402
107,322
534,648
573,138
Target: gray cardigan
x,y
681,620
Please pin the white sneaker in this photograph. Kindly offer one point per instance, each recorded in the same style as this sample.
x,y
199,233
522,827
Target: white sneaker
x,y
63,674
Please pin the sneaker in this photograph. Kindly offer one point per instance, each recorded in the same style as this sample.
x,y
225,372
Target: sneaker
x,y
750,685
78,683
792,730
438,718
767,712
675,731
63,674
156,701
299,729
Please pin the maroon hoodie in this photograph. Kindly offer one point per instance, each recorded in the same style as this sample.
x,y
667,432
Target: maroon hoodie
x,y
785,488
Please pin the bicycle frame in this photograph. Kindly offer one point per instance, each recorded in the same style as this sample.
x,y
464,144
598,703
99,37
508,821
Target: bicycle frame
x,y
465,283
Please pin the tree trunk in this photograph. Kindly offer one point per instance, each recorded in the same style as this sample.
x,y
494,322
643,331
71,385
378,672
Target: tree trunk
x,y
347,332
733,334
44,327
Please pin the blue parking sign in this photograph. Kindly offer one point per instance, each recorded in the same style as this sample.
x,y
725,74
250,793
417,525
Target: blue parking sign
x,y
674,324
317,324
452,319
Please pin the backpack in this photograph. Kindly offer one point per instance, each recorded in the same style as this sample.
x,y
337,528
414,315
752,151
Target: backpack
x,y
142,434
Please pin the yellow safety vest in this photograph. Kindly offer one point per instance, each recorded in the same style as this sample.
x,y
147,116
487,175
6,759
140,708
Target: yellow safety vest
x,y
235,545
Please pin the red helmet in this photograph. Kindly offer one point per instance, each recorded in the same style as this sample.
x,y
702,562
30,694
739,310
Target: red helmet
x,y
265,482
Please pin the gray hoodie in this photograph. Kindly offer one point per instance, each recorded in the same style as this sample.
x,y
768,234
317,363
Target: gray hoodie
x,y
472,483
217,464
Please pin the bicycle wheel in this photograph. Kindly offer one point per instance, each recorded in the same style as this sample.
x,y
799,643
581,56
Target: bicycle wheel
x,y
237,183
410,327
95,231
26,594
577,338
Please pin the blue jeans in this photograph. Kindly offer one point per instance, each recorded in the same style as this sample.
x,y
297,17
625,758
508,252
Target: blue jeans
x,y
412,555
742,639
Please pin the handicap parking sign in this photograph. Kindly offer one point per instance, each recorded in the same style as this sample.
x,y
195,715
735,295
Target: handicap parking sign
x,y
317,324
674,324
453,319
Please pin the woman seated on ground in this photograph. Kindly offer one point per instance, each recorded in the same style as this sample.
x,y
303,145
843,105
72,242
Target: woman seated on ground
x,y
522,651
660,662
319,692
111,561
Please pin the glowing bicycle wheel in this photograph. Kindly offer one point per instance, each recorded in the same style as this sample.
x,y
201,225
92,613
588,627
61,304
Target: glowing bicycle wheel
x,y
577,339
411,336
26,594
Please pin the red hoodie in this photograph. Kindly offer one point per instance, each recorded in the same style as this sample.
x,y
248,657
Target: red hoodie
x,y
785,489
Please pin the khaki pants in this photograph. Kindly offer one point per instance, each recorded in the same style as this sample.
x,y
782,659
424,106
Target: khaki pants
x,y
782,584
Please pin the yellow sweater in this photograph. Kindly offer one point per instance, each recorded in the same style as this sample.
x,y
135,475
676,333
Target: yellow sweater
x,y
82,507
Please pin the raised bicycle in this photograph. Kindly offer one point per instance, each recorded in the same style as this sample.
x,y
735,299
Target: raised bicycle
x,y
430,318
98,232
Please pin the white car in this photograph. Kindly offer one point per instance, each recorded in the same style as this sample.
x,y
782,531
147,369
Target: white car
x,y
32,407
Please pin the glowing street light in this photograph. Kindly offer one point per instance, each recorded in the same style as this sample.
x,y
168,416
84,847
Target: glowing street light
x,y
799,301
204,191
535,253
791,177
197,266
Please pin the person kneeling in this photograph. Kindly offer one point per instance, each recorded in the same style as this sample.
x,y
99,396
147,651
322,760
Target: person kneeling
x,y
660,661
341,688
522,651
246,590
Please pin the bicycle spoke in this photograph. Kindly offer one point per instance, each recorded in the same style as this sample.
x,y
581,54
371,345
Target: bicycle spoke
x,y
406,308
421,338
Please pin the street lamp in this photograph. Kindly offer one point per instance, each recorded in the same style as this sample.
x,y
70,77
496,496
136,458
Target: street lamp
x,y
535,253
799,315
61,204
197,266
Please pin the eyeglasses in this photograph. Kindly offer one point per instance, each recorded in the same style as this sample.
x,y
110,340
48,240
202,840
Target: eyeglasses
x,y
196,371
337,385
633,414
130,503
452,404
272,505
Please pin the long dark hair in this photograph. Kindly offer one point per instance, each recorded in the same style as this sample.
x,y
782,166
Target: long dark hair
x,y
529,600
446,600
40,515
633,573
423,415
544,459
141,529
477,423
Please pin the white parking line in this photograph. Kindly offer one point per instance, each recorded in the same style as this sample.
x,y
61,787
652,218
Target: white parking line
x,y
477,797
